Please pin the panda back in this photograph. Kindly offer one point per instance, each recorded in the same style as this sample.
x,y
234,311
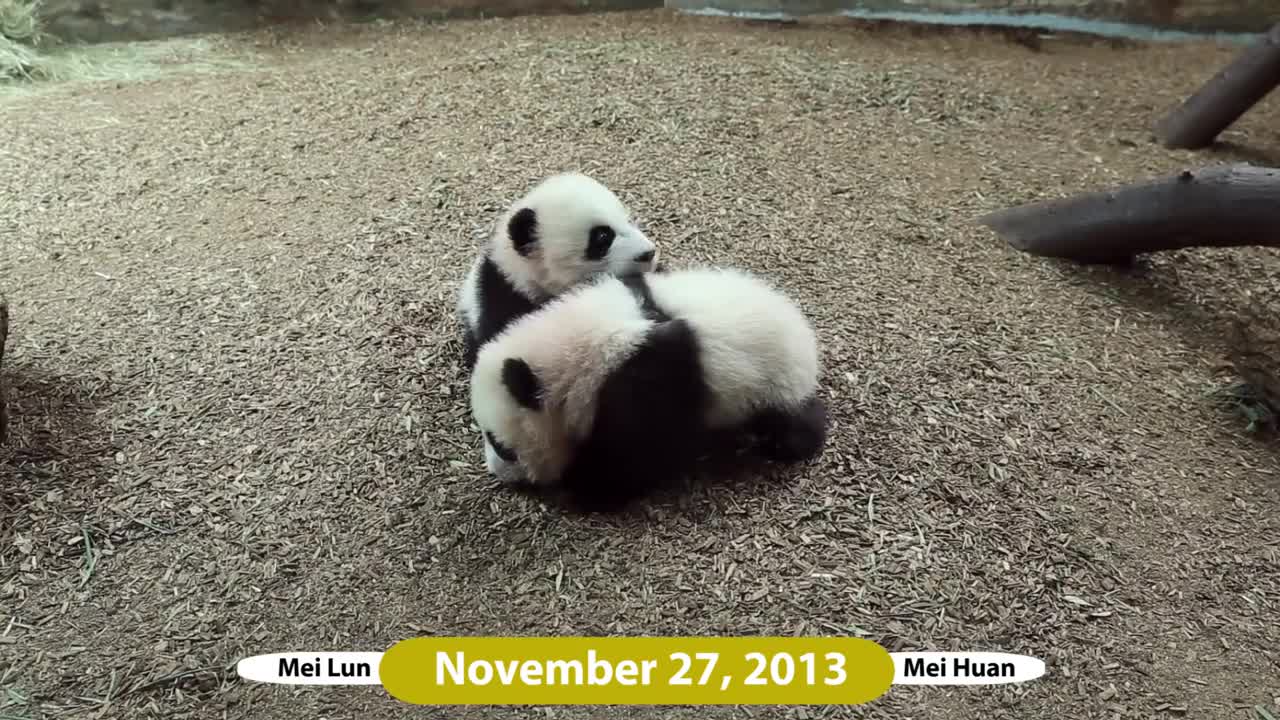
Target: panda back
x,y
757,349
647,422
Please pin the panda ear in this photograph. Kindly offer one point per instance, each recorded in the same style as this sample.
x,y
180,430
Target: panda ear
x,y
522,383
522,229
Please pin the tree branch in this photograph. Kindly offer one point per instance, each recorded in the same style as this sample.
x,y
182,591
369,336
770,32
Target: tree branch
x,y
1225,97
1218,206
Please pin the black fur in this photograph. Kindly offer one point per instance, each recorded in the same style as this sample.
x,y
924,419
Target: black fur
x,y
792,437
522,383
639,287
522,229
648,423
470,347
503,451
599,242
499,304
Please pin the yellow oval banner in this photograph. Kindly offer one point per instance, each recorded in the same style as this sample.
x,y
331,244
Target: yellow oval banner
x,y
636,671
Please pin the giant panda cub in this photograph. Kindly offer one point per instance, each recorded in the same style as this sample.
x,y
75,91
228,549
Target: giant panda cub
x,y
616,386
567,229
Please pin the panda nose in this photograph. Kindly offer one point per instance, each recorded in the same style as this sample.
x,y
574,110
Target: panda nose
x,y
645,257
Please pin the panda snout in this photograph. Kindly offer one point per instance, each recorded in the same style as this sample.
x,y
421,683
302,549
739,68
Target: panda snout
x,y
645,257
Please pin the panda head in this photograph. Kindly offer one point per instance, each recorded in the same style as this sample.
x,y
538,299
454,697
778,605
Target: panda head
x,y
568,229
524,443
535,387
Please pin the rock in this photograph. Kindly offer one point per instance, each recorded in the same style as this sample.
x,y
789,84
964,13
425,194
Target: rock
x,y
1255,353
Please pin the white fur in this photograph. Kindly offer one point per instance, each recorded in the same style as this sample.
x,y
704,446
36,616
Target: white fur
x,y
495,464
469,295
757,348
567,206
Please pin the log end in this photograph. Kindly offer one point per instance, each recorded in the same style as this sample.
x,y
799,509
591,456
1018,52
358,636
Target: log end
x,y
1009,224
1179,139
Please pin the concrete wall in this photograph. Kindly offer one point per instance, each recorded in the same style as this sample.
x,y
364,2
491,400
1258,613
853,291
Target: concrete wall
x,y
1112,17
123,20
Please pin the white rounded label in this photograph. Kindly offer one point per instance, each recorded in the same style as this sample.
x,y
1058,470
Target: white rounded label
x,y
313,668
964,668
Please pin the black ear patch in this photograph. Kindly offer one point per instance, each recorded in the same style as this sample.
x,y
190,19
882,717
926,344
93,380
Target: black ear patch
x,y
523,230
522,383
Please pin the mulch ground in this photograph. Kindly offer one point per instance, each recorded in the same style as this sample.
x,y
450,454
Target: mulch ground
x,y
239,424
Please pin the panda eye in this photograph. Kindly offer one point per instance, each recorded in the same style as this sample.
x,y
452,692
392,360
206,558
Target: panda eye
x,y
502,450
599,241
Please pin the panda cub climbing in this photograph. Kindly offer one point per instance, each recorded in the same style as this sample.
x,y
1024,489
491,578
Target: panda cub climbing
x,y
567,229
616,386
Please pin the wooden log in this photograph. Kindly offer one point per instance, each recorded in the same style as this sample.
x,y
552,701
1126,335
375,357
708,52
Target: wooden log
x,y
1218,206
1225,97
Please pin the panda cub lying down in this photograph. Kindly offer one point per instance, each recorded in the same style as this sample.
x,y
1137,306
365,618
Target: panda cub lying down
x,y
614,387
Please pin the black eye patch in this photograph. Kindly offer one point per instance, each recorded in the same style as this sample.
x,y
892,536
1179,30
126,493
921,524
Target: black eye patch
x,y
523,231
503,451
599,241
